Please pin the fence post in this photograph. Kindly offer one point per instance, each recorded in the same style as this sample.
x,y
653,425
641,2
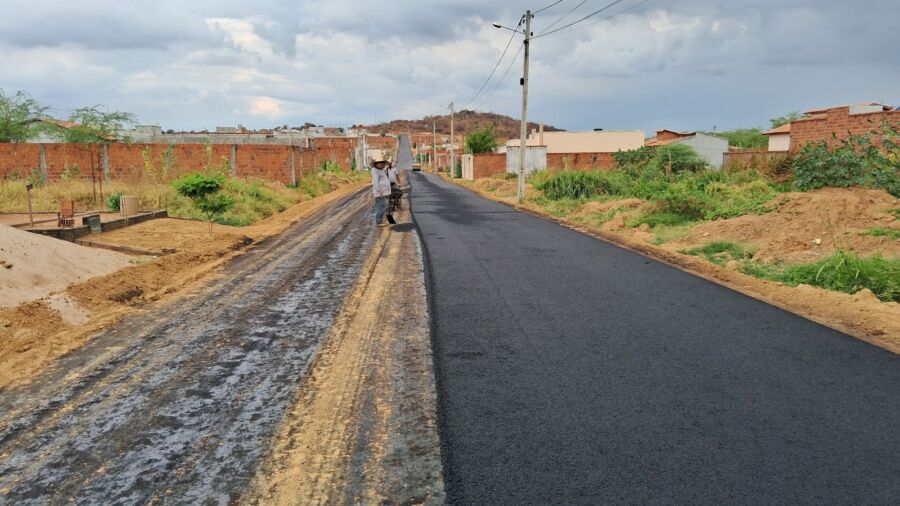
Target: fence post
x,y
234,160
43,163
293,167
104,157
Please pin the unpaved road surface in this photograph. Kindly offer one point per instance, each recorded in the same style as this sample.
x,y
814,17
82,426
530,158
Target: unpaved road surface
x,y
179,404
571,371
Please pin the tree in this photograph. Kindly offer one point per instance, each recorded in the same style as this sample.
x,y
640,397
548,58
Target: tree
x,y
94,126
17,113
203,190
784,120
483,140
745,138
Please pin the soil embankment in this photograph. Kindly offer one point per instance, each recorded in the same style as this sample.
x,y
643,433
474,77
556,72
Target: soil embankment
x,y
34,334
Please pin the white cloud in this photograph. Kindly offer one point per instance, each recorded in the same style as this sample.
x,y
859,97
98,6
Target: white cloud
x,y
206,63
242,34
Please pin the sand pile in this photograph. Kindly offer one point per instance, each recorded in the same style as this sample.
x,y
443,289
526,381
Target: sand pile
x,y
33,266
804,227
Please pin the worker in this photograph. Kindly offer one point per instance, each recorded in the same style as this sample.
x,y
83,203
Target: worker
x,y
392,174
381,188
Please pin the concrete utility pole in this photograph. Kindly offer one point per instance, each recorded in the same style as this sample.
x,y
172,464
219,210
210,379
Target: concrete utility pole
x,y
524,129
434,146
452,152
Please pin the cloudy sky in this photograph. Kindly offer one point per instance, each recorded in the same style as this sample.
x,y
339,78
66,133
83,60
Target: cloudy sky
x,y
681,64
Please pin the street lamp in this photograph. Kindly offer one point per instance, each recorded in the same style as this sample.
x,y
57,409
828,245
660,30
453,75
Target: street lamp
x,y
498,25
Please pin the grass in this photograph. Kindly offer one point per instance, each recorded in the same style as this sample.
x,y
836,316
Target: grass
x,y
658,219
721,252
842,272
677,199
892,233
664,234
559,208
255,199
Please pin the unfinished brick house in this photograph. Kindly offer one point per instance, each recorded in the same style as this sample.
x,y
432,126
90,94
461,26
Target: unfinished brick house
x,y
832,125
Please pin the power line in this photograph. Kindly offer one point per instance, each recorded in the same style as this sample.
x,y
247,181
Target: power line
x,y
551,25
598,11
600,20
502,55
496,86
547,7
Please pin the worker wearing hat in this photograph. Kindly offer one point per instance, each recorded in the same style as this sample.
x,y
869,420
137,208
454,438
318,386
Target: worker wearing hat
x,y
381,188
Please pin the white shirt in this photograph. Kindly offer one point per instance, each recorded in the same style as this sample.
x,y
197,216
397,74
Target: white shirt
x,y
392,175
381,185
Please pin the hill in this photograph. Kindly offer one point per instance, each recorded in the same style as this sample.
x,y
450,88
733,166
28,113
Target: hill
x,y
505,126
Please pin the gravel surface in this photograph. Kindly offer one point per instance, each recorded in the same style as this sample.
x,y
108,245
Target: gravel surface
x,y
571,371
177,404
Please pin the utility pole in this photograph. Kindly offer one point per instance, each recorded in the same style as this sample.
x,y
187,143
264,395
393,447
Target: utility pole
x,y
524,128
452,152
434,146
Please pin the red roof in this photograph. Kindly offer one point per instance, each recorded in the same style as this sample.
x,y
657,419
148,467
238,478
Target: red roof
x,y
783,129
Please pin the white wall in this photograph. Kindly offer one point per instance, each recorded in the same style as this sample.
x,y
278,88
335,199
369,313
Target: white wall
x,y
468,167
535,159
709,147
780,142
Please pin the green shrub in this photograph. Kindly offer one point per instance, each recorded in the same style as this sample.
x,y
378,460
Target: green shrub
x,y
314,185
204,192
576,185
329,166
677,158
745,137
114,202
842,272
856,161
632,157
537,178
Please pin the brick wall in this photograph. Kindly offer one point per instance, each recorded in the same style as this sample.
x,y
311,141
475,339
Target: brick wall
x,y
840,123
580,161
267,161
667,135
337,150
488,164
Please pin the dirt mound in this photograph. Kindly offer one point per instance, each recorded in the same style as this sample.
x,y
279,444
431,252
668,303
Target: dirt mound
x,y
594,207
33,266
804,227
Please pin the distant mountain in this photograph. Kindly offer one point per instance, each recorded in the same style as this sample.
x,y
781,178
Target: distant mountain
x,y
505,126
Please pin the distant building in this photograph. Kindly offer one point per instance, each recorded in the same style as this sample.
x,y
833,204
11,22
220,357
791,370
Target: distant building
x,y
606,141
835,124
780,138
711,148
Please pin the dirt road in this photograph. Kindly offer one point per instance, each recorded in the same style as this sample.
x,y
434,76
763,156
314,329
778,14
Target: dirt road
x,y
182,403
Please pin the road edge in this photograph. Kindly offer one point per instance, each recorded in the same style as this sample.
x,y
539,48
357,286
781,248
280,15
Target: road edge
x,y
716,274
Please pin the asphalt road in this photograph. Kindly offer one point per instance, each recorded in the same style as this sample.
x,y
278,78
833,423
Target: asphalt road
x,y
571,371
404,153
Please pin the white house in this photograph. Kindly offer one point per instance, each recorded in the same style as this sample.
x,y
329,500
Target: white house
x,y
711,148
780,138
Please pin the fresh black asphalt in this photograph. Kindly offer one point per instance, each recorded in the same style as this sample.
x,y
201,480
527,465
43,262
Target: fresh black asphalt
x,y
571,371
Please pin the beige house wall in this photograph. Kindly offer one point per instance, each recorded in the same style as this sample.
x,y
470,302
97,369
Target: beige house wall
x,y
585,142
780,142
